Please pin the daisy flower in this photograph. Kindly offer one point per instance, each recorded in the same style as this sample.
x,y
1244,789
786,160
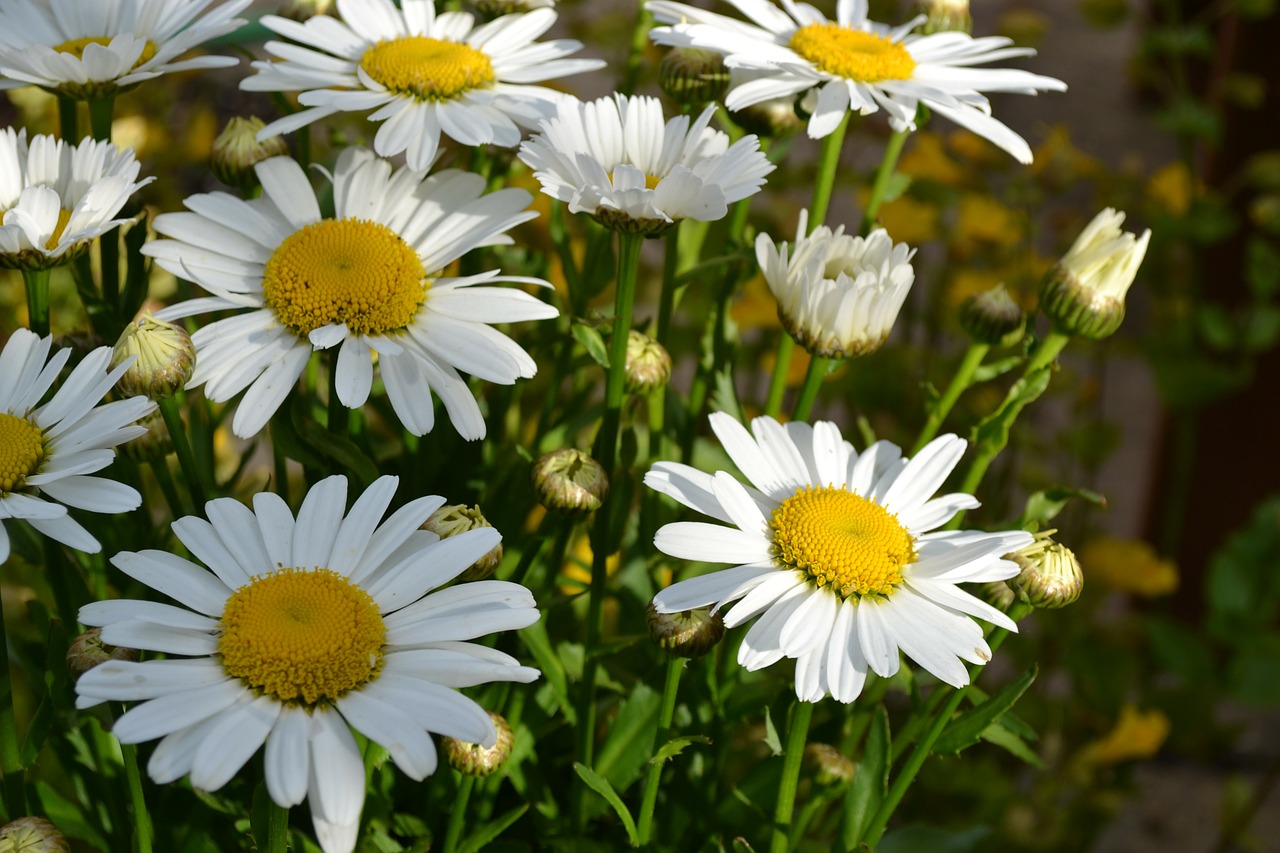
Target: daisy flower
x,y
423,74
616,159
300,630
96,48
838,553
856,64
47,452
57,198
837,295
367,280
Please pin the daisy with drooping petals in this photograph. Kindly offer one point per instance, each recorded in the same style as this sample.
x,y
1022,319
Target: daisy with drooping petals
x,y
856,64
96,48
366,280
422,73
47,452
837,295
57,198
839,555
616,159
299,631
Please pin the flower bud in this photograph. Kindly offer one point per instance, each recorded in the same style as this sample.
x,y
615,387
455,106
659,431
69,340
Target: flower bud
x,y
237,149
945,16
452,519
1050,576
32,835
692,77
997,594
300,10
769,119
88,650
828,765
153,445
1084,292
476,760
992,317
570,481
165,358
497,8
689,634
648,364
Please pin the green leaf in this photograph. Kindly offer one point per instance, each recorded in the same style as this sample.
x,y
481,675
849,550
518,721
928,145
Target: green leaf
x,y
339,448
1009,741
675,746
914,839
68,817
897,184
870,781
993,431
593,342
1181,651
771,738
1254,673
487,833
1043,506
725,397
964,731
601,786
1185,40
625,751
741,845
1217,327
1261,329
539,645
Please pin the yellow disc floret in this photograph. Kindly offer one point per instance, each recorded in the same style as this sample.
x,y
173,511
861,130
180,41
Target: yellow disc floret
x,y
64,216
856,55
302,636
76,47
21,451
844,542
428,69
344,271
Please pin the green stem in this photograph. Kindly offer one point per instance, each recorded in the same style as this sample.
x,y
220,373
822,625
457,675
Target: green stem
x,y
675,666
100,114
100,110
142,831
68,120
458,817
797,735
186,459
160,468
825,181
813,377
277,827
881,185
15,789
635,54
667,299
959,384
778,382
37,282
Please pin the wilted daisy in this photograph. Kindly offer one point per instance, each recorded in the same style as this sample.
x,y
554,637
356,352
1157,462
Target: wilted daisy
x,y
856,64
299,631
838,553
423,74
95,48
366,279
616,159
837,295
57,198
47,452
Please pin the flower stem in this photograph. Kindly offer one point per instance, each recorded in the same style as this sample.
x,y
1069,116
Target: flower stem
x,y
666,302
825,181
818,368
959,384
142,831
100,113
68,120
15,790
186,459
778,382
796,737
37,282
277,828
881,185
644,827
458,817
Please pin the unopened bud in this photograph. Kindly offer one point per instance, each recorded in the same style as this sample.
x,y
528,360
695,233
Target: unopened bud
x,y
165,359
689,634
992,317
237,149
496,8
32,835
452,519
1084,292
945,16
1050,576
828,765
648,364
88,651
476,760
153,445
570,480
693,77
997,594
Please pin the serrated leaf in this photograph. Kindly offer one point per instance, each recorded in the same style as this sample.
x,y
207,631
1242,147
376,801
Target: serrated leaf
x,y
993,431
965,730
601,786
1043,506
535,639
625,751
870,781
996,368
771,738
675,746
68,817
339,448
1009,741
487,833
593,342
725,397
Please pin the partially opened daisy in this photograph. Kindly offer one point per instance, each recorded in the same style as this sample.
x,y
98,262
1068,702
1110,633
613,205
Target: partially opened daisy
x,y
856,64
619,161
47,452
837,295
300,630
423,74
838,554
96,48
57,198
368,280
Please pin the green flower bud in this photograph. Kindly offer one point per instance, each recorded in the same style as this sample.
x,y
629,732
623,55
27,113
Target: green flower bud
x,y
1051,575
154,445
693,77
690,634
570,481
1084,292
237,149
828,765
945,16
648,364
165,358
476,760
32,835
992,317
88,650
452,519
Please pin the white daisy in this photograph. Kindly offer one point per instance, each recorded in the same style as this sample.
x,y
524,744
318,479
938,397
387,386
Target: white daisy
x,y
298,632
423,74
47,452
616,159
95,48
856,64
837,295
836,555
366,279
57,198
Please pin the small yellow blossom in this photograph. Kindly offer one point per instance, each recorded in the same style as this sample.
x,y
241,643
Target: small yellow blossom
x,y
1128,565
983,219
910,221
1171,188
1137,735
928,160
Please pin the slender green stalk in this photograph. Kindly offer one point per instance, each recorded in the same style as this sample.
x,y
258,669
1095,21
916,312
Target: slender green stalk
x,y
890,161
68,120
644,826
280,465
818,368
186,459
100,114
277,827
667,299
825,182
779,842
458,817
635,54
15,789
960,382
160,468
37,282
778,382
142,830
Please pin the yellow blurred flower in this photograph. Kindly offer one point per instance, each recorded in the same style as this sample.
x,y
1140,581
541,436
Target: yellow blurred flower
x,y
1058,160
1137,735
928,160
1171,188
1128,565
977,150
575,574
910,221
755,307
967,281
982,219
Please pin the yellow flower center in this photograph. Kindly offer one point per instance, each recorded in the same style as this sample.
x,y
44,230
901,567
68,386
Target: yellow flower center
x,y
650,181
865,57
21,451
76,47
64,216
851,545
426,68
302,636
344,271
